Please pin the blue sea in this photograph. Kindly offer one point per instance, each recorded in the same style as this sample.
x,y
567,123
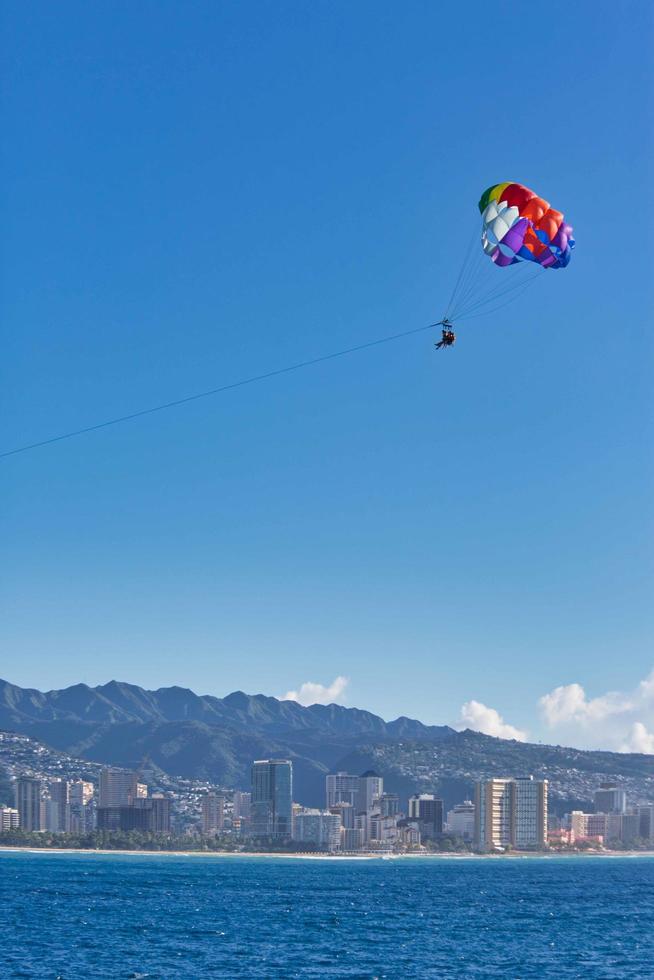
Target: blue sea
x,y
128,916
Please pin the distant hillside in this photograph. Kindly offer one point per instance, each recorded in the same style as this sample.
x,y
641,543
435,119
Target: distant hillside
x,y
455,762
203,737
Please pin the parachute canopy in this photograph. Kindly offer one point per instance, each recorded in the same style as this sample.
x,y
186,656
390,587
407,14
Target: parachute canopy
x,y
517,225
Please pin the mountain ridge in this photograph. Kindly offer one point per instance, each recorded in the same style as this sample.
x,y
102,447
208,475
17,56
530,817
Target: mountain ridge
x,y
117,702
216,739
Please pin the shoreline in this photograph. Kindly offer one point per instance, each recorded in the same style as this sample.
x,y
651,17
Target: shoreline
x,y
321,856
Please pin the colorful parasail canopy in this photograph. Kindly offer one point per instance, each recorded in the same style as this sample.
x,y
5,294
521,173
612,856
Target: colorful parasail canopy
x,y
517,225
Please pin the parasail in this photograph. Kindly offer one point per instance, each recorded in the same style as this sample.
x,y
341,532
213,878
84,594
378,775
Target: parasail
x,y
519,231
518,225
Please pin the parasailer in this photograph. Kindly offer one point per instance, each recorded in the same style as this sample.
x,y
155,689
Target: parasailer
x,y
448,338
520,230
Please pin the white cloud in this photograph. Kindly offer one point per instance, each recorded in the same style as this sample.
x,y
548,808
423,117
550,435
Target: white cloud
x,y
569,703
310,693
481,718
615,720
639,740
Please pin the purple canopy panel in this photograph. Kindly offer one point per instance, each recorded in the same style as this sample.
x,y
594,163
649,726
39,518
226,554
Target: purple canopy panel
x,y
515,236
560,240
546,258
503,260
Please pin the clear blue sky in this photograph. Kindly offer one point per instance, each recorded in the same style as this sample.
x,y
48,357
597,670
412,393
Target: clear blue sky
x,y
196,192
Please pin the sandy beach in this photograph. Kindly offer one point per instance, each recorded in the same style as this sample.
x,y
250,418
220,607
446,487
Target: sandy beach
x,y
320,856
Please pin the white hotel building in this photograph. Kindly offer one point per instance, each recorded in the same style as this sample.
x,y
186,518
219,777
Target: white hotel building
x,y
510,813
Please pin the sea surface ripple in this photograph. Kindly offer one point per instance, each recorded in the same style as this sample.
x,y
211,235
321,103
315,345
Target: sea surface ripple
x,y
75,916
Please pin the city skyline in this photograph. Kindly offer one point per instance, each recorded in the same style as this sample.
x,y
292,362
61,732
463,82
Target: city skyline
x,y
358,815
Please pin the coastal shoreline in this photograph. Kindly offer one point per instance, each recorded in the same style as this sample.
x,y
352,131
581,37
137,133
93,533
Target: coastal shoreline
x,y
320,856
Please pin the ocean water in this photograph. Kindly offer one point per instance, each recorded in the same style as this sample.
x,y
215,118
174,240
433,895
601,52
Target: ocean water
x,y
124,916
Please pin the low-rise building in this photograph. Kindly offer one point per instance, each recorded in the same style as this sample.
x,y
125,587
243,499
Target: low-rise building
x,y
560,837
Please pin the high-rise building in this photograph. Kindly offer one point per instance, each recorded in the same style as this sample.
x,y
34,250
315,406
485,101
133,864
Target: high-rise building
x,y
427,810
319,828
50,816
28,803
346,812
213,806
241,806
597,825
610,798
362,822
461,820
341,787
149,814
58,815
124,818
82,811
510,812
389,804
272,798
371,787
9,819
119,787
646,821
623,827
408,833
530,812
591,825
351,839
361,792
614,826
160,809
578,824
81,792
383,829
494,813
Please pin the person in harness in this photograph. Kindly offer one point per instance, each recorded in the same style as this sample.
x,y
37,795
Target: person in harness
x,y
448,338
